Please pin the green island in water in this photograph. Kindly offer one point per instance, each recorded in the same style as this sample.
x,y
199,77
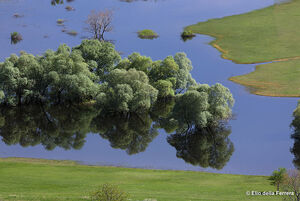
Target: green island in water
x,y
261,37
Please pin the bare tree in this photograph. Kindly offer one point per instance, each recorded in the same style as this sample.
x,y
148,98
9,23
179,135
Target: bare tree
x,y
292,184
99,23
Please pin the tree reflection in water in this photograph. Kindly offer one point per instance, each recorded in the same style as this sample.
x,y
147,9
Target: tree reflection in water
x,y
67,128
131,133
205,147
296,137
64,127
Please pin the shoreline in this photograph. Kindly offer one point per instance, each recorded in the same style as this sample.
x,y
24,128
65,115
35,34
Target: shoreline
x,y
224,52
54,162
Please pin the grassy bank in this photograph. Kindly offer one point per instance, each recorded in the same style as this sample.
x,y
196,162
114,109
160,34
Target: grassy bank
x,y
273,79
32,179
269,34
262,35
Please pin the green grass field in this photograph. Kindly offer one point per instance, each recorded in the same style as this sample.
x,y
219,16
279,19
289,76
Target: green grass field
x,y
269,34
34,179
273,79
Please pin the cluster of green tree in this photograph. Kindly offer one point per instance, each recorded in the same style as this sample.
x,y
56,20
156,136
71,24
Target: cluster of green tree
x,y
131,98
93,71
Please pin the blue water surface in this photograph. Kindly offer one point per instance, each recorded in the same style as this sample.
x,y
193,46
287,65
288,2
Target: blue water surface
x,y
260,131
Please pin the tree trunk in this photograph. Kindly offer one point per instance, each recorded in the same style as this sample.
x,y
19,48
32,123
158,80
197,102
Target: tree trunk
x,y
19,99
277,186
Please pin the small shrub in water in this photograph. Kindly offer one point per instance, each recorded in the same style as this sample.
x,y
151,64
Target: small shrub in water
x,y
60,21
72,33
69,8
187,35
15,37
147,34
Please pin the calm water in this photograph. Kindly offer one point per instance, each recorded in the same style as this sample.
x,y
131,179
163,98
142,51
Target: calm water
x,y
260,133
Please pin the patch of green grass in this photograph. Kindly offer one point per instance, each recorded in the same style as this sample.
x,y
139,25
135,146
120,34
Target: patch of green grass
x,y
262,35
273,79
147,34
268,34
60,21
32,179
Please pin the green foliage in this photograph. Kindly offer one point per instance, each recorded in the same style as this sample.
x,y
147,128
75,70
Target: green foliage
x,y
18,78
60,21
94,72
127,91
165,88
101,53
15,37
147,34
277,177
14,34
203,105
163,70
109,192
68,76
187,33
183,78
63,76
136,61
2,96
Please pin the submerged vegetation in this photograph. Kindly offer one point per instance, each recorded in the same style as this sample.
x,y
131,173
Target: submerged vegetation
x,y
94,71
123,100
187,35
72,33
60,21
15,37
147,34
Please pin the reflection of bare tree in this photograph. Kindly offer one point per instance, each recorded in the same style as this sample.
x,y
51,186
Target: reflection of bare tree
x,y
99,23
